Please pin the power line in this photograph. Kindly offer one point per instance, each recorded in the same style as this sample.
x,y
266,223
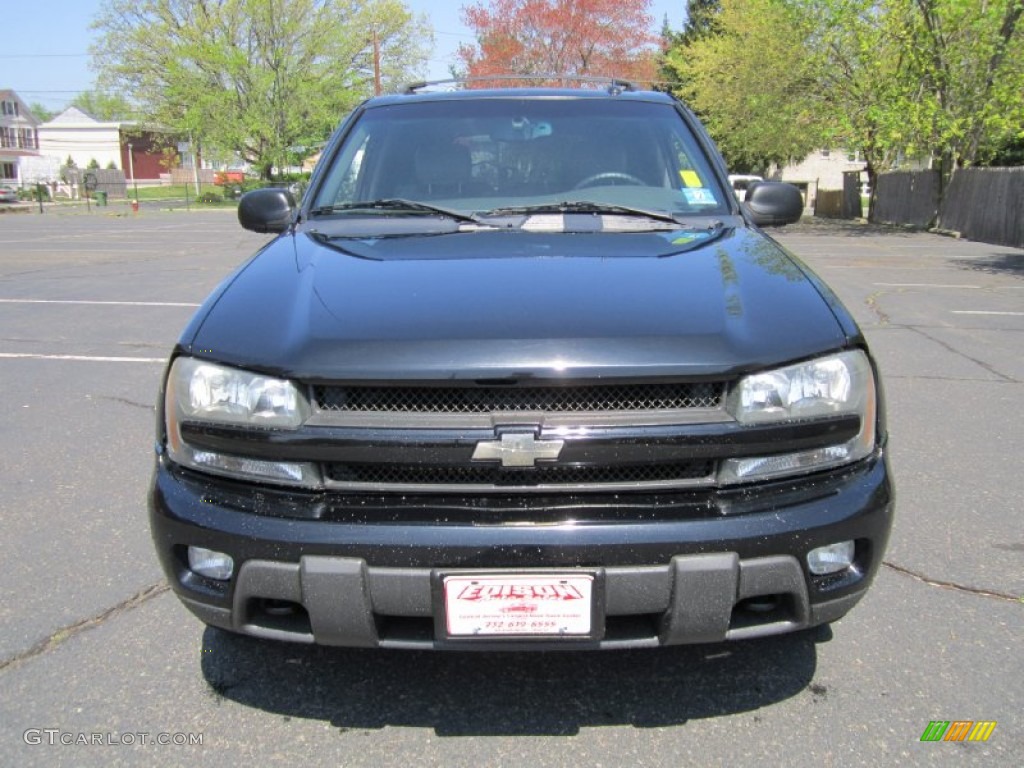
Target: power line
x,y
42,55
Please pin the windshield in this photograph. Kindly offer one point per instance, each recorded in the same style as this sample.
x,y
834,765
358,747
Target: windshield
x,y
523,154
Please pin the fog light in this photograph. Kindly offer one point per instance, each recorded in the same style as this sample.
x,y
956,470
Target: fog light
x,y
212,565
830,559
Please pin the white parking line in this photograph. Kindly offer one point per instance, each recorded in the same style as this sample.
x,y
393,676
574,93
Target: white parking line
x,y
985,312
79,358
114,303
924,285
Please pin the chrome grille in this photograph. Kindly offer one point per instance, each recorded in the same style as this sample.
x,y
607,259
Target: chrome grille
x,y
593,398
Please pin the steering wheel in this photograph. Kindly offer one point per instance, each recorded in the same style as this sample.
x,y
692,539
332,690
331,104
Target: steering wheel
x,y
610,176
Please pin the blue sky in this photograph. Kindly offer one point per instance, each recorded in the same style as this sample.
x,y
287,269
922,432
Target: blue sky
x,y
45,59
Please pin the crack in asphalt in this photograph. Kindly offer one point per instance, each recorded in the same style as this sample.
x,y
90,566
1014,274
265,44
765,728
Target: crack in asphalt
x,y
955,351
126,401
952,585
872,304
66,633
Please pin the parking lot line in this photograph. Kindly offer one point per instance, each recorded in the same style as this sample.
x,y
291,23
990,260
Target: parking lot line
x,y
79,358
985,312
925,285
114,303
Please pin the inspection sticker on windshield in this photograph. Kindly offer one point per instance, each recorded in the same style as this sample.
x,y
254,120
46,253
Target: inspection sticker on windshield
x,y
699,196
518,604
690,179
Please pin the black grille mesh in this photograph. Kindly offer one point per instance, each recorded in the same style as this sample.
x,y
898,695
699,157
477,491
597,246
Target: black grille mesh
x,y
425,474
595,398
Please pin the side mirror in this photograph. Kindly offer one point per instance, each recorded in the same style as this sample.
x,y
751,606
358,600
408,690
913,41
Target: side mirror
x,y
266,210
773,203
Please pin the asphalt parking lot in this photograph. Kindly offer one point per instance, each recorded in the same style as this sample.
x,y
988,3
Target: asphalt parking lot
x,y
91,641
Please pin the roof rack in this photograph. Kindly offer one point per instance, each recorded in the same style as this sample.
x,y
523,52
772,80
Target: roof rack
x,y
615,85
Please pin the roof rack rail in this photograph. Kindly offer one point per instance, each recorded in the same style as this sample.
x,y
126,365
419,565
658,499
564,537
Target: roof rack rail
x,y
615,85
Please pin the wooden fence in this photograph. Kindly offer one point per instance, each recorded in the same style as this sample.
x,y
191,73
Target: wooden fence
x,y
986,204
907,197
982,204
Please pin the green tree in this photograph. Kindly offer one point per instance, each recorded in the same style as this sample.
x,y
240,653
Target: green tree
x,y
701,20
255,77
751,76
970,61
105,106
43,114
940,79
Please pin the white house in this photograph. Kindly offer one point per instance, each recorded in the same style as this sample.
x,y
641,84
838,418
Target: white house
x,y
139,152
824,168
78,135
19,138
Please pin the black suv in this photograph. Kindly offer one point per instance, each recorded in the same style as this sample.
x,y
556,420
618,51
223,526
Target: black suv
x,y
520,372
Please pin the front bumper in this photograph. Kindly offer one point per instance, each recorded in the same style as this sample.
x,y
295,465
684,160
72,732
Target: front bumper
x,y
739,571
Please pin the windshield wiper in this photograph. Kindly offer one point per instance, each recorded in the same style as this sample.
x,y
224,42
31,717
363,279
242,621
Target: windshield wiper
x,y
396,205
585,206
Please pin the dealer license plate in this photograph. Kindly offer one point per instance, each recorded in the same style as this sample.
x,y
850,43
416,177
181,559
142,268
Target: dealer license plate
x,y
556,604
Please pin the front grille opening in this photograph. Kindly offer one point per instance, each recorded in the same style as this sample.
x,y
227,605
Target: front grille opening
x,y
420,630
639,626
763,609
279,615
405,629
496,476
560,398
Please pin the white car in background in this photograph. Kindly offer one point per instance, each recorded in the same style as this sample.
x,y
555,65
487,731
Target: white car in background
x,y
740,183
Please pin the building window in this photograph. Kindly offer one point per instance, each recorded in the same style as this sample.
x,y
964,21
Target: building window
x,y
27,139
10,108
7,171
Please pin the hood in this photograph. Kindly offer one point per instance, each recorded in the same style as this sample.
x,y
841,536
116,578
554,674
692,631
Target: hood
x,y
513,304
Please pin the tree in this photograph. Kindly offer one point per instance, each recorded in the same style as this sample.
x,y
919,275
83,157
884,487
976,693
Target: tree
x,y
970,60
600,38
106,107
701,20
753,82
257,77
43,114
941,79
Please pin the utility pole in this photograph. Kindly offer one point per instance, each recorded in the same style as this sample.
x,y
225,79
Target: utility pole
x,y
131,171
376,64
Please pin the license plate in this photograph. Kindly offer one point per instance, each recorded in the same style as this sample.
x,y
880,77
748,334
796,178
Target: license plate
x,y
502,605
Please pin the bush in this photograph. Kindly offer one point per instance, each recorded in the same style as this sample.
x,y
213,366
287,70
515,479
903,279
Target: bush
x,y
211,197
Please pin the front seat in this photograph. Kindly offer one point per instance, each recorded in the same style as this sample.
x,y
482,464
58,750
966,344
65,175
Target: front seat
x,y
443,169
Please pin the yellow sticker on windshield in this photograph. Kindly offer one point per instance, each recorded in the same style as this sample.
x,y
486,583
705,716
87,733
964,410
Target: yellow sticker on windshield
x,y
691,179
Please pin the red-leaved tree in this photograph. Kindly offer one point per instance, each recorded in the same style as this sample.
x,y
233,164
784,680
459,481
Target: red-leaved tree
x,y
599,38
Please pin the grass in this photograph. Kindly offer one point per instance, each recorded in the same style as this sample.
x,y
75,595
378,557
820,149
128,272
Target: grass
x,y
179,192
171,192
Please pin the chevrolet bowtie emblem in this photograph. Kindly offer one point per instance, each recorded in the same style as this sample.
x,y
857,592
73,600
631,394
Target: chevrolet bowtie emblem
x,y
517,449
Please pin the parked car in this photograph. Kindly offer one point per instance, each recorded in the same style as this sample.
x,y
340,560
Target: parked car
x,y
519,371
740,183
8,195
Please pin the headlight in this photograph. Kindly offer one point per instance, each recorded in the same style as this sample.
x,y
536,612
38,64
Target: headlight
x,y
202,392
837,385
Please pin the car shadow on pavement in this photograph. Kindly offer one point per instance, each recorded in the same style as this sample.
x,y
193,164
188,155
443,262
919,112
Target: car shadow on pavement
x,y
463,694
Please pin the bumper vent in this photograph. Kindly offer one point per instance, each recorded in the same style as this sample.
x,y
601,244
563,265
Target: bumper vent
x,y
562,476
